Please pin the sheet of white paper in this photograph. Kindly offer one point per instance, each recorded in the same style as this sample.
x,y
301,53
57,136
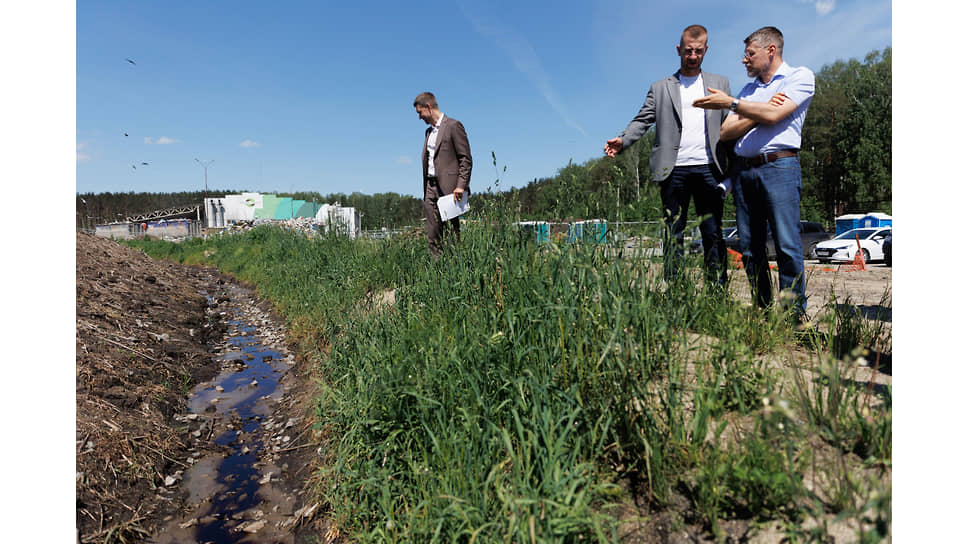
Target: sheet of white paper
x,y
450,209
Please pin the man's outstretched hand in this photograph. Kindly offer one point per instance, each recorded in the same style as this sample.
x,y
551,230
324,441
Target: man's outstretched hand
x,y
613,147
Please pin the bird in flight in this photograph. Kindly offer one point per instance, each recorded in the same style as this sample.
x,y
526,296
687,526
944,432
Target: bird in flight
x,y
131,61
144,164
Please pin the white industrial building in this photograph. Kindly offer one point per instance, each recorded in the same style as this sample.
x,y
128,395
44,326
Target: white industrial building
x,y
229,209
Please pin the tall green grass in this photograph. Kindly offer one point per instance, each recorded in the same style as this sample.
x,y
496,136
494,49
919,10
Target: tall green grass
x,y
512,387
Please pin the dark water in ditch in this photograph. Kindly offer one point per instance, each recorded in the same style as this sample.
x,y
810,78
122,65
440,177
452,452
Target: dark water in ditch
x,y
251,374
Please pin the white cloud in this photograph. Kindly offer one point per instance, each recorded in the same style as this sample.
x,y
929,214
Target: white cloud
x,y
404,160
825,6
249,143
822,7
81,155
163,140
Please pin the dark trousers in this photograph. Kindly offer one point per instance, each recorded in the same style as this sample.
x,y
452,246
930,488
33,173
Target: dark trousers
x,y
699,184
436,228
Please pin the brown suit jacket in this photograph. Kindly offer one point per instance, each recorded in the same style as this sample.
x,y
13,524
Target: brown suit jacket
x,y
452,158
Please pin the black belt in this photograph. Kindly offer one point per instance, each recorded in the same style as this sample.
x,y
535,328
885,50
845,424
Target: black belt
x,y
760,160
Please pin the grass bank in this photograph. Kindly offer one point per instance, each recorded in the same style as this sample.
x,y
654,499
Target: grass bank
x,y
515,392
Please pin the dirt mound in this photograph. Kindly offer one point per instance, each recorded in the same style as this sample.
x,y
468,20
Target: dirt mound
x,y
142,343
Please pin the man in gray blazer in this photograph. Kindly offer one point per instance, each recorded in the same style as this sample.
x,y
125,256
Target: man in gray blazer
x,y
688,160
446,159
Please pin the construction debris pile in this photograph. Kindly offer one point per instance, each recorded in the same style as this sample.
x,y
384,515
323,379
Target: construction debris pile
x,y
306,225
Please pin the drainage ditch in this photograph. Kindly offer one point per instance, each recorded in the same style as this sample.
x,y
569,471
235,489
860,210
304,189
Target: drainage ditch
x,y
240,484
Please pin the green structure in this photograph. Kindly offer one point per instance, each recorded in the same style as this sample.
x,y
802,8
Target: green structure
x,y
268,209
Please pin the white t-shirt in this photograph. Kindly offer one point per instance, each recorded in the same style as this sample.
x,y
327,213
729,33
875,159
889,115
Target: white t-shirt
x,y
692,144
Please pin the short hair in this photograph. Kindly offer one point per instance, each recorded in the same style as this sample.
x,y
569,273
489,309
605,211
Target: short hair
x,y
425,99
693,32
768,35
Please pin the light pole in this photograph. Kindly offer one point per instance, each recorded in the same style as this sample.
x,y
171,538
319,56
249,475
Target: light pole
x,y
204,166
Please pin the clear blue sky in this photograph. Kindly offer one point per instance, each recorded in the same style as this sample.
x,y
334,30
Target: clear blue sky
x,y
317,96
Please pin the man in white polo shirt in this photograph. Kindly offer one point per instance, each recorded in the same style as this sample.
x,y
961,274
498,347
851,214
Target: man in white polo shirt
x,y
766,123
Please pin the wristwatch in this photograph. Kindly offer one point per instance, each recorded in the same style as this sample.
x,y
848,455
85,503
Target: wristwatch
x,y
734,104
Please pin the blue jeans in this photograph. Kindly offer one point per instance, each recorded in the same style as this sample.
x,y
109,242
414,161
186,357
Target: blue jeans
x,y
699,184
770,194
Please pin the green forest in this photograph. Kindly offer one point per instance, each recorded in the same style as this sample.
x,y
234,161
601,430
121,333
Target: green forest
x,y
845,160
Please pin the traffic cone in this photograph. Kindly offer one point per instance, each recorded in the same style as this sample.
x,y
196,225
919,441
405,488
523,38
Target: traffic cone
x,y
858,264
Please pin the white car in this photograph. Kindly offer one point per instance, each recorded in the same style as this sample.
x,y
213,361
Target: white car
x,y
843,247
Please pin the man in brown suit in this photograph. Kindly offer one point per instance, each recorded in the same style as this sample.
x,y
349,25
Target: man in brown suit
x,y
446,158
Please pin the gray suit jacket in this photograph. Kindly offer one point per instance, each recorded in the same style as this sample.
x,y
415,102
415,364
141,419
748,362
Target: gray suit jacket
x,y
662,108
452,157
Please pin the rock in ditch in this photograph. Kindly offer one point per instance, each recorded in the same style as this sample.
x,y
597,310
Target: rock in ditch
x,y
253,527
